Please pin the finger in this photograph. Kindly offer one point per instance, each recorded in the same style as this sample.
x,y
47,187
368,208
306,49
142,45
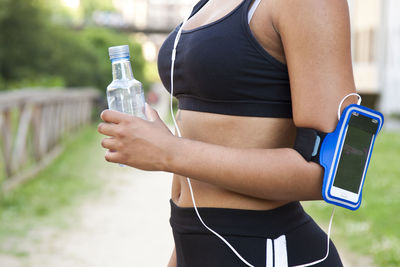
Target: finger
x,y
113,116
151,113
113,157
109,129
110,143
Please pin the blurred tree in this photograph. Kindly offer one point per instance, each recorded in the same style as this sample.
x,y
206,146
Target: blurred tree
x,y
61,13
89,6
34,52
22,25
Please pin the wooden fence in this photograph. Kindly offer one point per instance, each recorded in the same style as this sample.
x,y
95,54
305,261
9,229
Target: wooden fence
x,y
31,125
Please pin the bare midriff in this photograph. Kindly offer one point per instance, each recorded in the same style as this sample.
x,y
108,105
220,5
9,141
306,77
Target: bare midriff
x,y
231,131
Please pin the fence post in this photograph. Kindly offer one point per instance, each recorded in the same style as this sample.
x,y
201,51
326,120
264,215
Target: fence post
x,y
42,116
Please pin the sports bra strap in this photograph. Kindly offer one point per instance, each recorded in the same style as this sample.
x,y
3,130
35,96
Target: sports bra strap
x,y
252,10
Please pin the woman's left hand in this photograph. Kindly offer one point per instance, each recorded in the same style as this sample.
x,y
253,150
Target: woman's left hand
x,y
143,144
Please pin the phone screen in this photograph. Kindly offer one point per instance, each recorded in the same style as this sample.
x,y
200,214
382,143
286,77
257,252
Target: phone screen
x,y
356,147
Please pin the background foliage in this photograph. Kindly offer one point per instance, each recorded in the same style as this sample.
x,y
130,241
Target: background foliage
x,y
39,49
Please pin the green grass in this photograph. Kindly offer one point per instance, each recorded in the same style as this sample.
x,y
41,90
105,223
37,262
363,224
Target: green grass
x,y
374,229
151,72
168,119
50,198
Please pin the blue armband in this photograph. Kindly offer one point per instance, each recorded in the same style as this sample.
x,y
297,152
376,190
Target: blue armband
x,y
345,153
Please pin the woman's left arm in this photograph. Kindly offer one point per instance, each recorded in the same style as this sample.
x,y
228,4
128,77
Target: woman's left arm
x,y
316,40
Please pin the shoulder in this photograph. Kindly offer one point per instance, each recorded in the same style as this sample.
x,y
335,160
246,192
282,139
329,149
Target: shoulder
x,y
315,13
311,6
316,38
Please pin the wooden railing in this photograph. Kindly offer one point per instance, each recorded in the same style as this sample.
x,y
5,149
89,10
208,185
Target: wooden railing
x,y
31,125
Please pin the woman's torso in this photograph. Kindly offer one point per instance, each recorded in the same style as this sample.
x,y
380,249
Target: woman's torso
x,y
232,130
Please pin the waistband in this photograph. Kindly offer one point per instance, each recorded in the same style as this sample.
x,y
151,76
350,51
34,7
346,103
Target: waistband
x,y
238,222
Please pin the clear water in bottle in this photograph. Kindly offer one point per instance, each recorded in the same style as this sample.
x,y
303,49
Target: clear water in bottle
x,y
125,93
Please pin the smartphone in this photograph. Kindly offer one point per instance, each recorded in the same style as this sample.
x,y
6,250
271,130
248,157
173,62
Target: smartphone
x,y
353,157
345,154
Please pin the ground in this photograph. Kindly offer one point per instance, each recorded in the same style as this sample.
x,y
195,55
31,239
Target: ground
x,y
105,231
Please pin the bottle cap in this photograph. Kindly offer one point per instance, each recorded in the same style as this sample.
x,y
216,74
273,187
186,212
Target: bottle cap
x,y
121,51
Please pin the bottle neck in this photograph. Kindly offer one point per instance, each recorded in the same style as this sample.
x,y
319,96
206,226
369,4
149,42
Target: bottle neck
x,y
122,70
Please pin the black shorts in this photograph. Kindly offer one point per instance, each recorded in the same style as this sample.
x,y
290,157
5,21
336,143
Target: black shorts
x,y
285,236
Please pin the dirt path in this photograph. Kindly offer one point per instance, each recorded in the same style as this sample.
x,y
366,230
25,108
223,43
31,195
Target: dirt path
x,y
117,229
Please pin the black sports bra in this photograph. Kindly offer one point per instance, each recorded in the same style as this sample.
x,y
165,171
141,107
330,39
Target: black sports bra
x,y
221,68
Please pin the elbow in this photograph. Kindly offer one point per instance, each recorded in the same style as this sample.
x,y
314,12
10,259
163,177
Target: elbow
x,y
324,124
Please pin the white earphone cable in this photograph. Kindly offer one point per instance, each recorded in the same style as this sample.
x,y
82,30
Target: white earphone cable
x,y
327,244
178,35
344,98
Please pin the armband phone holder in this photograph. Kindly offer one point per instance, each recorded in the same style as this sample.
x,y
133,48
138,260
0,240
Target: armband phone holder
x,y
345,155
